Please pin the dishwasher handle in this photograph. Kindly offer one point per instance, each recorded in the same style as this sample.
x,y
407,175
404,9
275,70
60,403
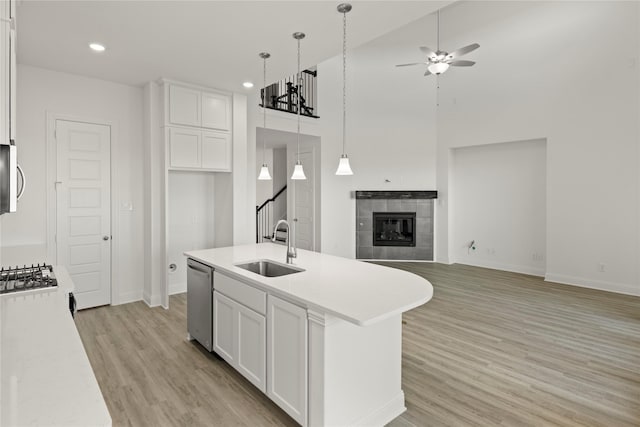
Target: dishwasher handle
x,y
199,267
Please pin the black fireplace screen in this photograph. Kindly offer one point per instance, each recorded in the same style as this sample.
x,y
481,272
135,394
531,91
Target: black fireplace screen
x,y
394,229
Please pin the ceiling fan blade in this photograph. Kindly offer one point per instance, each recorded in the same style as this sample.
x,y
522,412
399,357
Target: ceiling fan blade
x,y
413,63
463,51
462,63
426,73
427,51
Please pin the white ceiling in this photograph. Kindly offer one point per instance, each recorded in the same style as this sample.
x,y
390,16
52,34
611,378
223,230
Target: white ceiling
x,y
212,43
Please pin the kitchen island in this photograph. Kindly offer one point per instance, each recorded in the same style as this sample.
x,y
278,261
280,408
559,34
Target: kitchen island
x,y
324,343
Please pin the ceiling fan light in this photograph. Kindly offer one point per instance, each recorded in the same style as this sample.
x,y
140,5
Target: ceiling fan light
x,y
438,68
298,172
343,167
264,173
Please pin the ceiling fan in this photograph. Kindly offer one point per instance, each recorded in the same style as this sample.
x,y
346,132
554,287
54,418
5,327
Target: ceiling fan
x,y
438,61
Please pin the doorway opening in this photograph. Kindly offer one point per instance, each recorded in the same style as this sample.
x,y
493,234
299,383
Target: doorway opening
x,y
297,201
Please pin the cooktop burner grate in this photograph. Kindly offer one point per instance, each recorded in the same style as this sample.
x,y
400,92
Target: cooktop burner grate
x,y
27,278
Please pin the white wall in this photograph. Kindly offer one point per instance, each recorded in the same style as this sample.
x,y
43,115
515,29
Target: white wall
x,y
43,91
536,78
191,220
280,179
498,194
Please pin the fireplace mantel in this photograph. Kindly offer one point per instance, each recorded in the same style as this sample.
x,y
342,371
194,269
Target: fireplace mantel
x,y
431,194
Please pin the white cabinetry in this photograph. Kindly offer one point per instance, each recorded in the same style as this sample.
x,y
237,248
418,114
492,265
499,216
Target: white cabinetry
x,y
201,150
184,106
287,357
192,107
184,148
198,126
7,71
216,111
216,151
239,333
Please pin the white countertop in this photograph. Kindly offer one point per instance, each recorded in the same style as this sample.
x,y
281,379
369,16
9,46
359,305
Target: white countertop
x,y
45,375
356,291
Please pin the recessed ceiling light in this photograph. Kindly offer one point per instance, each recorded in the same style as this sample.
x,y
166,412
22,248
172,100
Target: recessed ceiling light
x,y
248,85
97,47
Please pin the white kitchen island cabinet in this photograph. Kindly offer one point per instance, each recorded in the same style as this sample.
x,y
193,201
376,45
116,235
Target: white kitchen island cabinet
x,y
287,355
333,331
239,337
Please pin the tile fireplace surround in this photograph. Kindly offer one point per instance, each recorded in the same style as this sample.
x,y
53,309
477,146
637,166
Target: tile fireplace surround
x,y
419,202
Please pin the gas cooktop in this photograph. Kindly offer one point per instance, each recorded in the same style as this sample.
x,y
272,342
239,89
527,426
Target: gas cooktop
x,y
27,278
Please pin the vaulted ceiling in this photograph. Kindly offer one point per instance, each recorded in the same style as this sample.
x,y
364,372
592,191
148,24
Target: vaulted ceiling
x,y
212,43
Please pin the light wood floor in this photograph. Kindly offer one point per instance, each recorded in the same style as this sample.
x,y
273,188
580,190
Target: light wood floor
x,y
491,348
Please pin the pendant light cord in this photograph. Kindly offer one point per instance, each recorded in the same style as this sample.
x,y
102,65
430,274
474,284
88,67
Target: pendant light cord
x,y
438,32
344,82
264,108
299,88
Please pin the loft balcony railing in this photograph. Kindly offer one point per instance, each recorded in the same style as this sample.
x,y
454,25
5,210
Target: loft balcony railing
x,y
283,95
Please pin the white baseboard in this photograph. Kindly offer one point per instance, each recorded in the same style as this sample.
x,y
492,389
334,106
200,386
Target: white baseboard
x,y
523,269
128,297
385,414
177,288
619,288
151,301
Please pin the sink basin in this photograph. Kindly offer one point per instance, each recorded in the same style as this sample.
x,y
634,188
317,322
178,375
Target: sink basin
x,y
268,268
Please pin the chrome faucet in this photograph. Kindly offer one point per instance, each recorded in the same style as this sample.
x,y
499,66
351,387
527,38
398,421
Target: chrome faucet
x,y
291,250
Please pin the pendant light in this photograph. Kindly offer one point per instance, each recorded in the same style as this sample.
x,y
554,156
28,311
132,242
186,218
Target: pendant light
x,y
343,167
264,170
298,172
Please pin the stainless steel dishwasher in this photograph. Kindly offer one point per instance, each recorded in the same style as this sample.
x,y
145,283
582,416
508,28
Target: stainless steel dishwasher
x,y
200,303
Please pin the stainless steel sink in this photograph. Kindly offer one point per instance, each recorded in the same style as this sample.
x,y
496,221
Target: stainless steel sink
x,y
268,268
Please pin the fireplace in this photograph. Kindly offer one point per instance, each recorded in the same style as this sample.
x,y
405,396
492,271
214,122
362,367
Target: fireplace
x,y
394,228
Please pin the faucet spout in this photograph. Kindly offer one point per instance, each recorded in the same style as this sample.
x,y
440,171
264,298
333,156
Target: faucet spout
x,y
291,249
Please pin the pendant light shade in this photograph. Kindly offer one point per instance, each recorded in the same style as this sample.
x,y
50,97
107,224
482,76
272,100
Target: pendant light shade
x,y
298,172
343,167
264,170
264,173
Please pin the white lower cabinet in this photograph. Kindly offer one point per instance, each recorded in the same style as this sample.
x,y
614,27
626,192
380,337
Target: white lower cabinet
x,y
287,357
239,335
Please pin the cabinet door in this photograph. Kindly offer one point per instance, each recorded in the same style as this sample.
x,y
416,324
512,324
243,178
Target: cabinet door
x,y
216,151
251,349
287,357
224,327
184,148
216,111
184,106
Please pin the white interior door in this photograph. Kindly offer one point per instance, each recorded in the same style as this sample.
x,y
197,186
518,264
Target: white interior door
x,y
83,199
304,202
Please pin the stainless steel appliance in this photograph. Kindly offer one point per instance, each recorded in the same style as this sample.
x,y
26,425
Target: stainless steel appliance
x,y
200,303
10,190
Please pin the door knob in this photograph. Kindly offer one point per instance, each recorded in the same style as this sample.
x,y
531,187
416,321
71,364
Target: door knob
x,y
105,238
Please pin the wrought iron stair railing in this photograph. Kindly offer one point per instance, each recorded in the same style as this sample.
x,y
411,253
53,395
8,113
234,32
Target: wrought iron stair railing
x,y
265,217
283,95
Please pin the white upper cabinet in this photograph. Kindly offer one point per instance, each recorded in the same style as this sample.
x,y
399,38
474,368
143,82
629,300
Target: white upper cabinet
x,y
192,107
199,129
185,147
184,106
216,111
7,71
216,151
